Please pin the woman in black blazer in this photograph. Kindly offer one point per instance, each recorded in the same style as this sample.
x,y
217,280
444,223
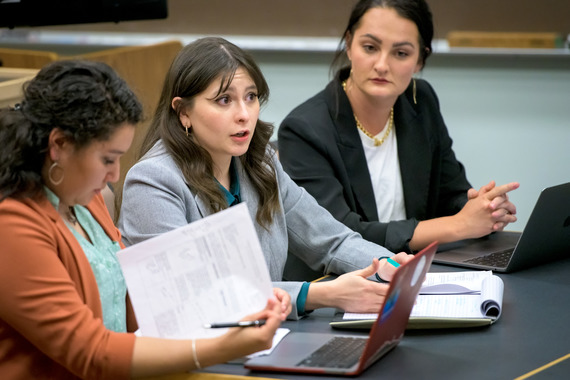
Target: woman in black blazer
x,y
373,148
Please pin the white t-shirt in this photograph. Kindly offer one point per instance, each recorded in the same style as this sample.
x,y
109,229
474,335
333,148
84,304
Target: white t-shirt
x,y
384,168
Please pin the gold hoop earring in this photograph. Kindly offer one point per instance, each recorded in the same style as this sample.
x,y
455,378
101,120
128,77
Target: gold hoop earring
x,y
414,90
187,128
50,174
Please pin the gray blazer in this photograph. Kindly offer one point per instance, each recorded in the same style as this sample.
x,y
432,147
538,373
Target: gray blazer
x,y
156,199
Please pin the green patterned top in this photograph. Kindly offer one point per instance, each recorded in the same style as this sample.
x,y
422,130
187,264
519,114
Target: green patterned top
x,y
101,252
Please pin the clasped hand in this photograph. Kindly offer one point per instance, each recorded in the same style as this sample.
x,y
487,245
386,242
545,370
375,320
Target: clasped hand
x,y
487,210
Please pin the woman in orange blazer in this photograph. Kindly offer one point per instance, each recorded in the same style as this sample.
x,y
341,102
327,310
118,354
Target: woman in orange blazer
x,y
65,310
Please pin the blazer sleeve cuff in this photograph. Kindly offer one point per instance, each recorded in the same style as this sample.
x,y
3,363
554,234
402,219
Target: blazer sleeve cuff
x,y
399,235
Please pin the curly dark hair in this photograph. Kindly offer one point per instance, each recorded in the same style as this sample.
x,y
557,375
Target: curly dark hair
x,y
87,100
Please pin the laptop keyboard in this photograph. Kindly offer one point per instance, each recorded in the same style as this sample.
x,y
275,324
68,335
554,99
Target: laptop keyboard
x,y
339,352
498,259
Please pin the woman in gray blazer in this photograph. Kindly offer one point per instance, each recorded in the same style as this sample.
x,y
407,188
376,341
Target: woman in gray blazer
x,y
206,150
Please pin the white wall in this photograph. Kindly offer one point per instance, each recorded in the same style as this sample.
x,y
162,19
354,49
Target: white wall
x,y
507,114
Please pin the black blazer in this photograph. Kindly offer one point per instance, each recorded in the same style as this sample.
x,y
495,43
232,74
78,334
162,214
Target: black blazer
x,y
321,150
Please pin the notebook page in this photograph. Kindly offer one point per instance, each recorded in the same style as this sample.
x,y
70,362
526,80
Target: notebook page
x,y
454,282
486,304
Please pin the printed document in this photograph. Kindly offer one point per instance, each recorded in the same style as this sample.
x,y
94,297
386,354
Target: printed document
x,y
209,271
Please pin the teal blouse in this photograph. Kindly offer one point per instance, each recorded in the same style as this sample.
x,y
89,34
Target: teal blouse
x,y
101,252
233,195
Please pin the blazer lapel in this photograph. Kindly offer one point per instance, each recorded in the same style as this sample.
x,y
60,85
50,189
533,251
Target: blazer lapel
x,y
415,156
352,153
250,196
76,260
203,208
47,208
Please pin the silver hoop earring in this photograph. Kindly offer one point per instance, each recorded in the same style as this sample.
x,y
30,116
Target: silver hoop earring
x,y
187,128
50,174
414,90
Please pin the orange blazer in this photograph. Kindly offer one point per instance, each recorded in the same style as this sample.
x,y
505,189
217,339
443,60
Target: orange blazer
x,y
51,322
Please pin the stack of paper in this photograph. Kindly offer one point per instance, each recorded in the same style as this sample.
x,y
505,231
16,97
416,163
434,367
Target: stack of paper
x,y
450,299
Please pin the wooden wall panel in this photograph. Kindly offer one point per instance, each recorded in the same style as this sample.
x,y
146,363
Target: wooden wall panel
x,y
328,17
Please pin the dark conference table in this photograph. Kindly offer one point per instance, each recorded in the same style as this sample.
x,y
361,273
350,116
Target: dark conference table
x,y
533,331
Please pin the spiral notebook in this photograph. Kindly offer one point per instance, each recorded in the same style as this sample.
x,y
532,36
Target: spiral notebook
x,y
446,300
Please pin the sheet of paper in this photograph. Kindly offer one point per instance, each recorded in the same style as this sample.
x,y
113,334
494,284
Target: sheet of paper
x,y
212,270
279,335
454,282
450,306
487,302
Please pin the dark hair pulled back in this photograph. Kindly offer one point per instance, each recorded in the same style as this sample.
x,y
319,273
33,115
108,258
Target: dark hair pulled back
x,y
416,11
86,100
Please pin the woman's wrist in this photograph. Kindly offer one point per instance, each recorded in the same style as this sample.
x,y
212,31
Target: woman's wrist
x,y
195,355
319,295
444,229
217,350
385,260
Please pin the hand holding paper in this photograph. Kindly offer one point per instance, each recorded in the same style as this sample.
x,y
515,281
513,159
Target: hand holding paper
x,y
208,271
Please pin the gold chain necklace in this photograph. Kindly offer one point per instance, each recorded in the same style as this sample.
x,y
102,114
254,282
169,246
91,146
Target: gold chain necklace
x,y
377,142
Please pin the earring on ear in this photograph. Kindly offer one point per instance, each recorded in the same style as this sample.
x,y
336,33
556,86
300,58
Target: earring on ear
x,y
414,90
52,168
187,127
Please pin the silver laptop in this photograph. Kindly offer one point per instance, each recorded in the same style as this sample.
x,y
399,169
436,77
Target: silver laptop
x,y
341,354
545,238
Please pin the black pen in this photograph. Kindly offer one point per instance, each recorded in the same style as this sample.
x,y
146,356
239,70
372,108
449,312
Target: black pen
x,y
255,323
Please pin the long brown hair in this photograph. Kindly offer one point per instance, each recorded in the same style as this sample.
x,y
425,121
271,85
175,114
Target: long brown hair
x,y
195,67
